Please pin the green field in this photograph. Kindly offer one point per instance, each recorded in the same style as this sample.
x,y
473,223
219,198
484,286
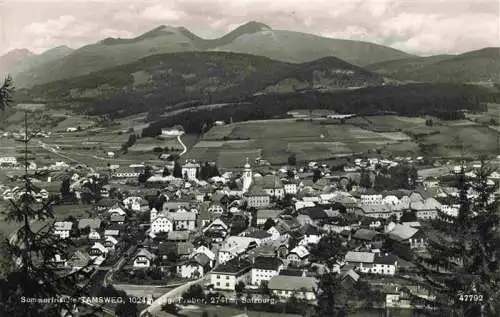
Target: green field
x,y
475,139
275,140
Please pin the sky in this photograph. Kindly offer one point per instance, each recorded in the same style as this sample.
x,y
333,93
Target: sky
x,y
422,27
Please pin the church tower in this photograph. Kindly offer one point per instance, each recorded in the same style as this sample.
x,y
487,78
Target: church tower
x,y
247,176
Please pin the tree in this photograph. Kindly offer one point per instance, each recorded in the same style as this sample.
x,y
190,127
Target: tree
x,y
365,180
329,249
177,169
131,140
326,295
292,159
34,273
239,287
316,175
194,292
166,172
264,288
409,216
65,188
465,259
269,224
6,92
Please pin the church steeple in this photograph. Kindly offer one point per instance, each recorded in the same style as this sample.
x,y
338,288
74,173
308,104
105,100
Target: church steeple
x,y
247,176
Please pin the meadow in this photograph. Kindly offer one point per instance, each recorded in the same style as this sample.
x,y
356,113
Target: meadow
x,y
275,140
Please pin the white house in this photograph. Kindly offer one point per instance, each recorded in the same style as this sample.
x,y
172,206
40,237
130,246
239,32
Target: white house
x,y
94,235
133,203
185,220
161,224
302,287
71,129
264,268
98,251
196,267
258,198
110,243
172,131
299,255
234,246
226,276
374,263
264,214
273,186
215,209
116,210
290,188
8,161
62,229
189,170
143,259
372,199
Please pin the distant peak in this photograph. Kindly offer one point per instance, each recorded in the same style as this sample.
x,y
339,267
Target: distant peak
x,y
20,52
247,28
255,26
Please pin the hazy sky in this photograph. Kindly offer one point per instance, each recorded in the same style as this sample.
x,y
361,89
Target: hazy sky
x,y
416,26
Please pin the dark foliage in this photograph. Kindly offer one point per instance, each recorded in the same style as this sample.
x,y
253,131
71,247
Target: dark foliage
x,y
443,101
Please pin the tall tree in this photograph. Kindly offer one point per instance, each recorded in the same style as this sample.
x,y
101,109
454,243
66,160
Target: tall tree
x,y
177,169
65,188
316,175
35,274
6,92
292,159
464,261
365,180
326,295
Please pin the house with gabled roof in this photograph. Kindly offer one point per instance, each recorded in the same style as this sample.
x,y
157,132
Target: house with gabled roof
x,y
235,246
260,236
98,250
227,275
285,286
370,262
62,229
264,268
298,255
264,214
79,261
312,235
110,243
143,258
414,238
196,267
257,197
92,223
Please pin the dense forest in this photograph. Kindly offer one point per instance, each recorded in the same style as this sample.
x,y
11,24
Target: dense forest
x,y
161,81
444,101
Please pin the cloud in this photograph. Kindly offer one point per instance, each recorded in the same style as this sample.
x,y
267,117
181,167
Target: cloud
x,y
52,26
417,26
161,13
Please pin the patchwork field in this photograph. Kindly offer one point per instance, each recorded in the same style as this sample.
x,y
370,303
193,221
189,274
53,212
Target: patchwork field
x,y
275,140
474,138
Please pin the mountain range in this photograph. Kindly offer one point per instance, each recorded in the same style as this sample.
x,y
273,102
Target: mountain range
x,y
251,38
163,80
108,60
472,67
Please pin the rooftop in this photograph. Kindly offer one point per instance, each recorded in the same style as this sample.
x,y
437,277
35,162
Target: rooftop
x,y
233,267
293,283
359,257
267,263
